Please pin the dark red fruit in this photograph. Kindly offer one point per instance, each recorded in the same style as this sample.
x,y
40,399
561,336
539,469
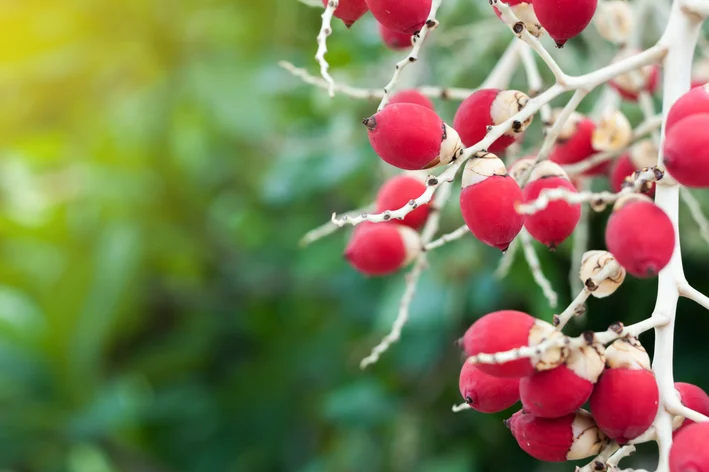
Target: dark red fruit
x,y
404,16
694,102
575,144
486,393
564,19
349,11
689,451
686,151
382,248
397,192
393,39
412,96
693,398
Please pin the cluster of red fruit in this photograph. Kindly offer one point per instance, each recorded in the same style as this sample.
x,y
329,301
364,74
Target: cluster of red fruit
x,y
556,383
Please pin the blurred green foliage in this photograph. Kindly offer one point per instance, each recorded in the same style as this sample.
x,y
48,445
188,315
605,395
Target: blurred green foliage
x,y
157,169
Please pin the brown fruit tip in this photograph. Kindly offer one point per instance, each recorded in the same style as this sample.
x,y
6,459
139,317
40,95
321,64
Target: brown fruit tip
x,y
560,44
370,123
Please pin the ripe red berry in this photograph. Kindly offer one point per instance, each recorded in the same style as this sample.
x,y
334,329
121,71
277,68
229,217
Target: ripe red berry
x,y
575,144
625,399
485,393
488,199
405,16
397,192
686,151
524,11
564,19
505,330
393,39
570,437
689,451
411,137
630,84
694,102
641,252
641,155
349,11
412,96
382,248
552,225
564,389
490,107
693,398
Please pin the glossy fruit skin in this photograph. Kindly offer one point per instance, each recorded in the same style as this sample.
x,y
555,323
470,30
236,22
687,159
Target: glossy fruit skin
x,y
406,135
473,117
694,102
404,16
689,451
397,192
488,209
486,393
641,252
624,403
578,148
694,398
412,96
564,19
554,393
632,95
349,11
552,225
686,151
376,249
544,439
497,332
394,40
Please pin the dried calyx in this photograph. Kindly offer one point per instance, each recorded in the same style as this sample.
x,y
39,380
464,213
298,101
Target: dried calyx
x,y
594,262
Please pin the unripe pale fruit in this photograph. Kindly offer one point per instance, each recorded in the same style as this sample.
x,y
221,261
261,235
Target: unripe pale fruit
x,y
397,192
686,151
564,19
630,84
689,451
614,21
490,107
524,11
643,253
694,102
552,225
505,330
642,154
488,200
564,389
349,11
625,399
612,133
571,437
575,144
592,263
382,248
405,16
693,398
412,96
411,137
394,40
486,393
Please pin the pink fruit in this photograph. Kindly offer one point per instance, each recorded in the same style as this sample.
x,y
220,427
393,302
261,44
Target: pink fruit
x,y
485,393
411,137
575,144
382,248
505,330
404,16
488,199
490,107
393,39
689,451
412,96
397,192
641,252
686,151
694,102
564,389
570,437
349,11
552,225
564,19
693,398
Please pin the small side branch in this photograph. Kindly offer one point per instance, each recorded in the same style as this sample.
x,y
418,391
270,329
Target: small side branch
x,y
446,238
506,261
696,211
535,267
461,407
325,31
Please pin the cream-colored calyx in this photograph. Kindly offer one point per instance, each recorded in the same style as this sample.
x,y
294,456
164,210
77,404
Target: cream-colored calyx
x,y
587,361
612,133
506,104
630,198
546,359
568,129
644,153
627,353
614,21
588,439
592,263
635,80
547,169
479,168
450,145
412,243
525,13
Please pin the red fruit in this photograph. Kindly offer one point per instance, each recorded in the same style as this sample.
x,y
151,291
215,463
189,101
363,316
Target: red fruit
x,y
564,389
625,399
382,248
622,168
641,252
505,330
485,393
686,151
694,102
488,199
412,96
564,19
693,398
393,39
349,11
570,437
641,155
630,84
411,137
524,11
689,451
575,144
552,225
397,192
404,16
490,107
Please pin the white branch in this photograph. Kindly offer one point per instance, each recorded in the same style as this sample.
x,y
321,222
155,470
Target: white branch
x,y
506,260
696,7
580,243
461,407
687,291
446,238
574,309
501,74
536,269
696,211
328,228
325,31
599,462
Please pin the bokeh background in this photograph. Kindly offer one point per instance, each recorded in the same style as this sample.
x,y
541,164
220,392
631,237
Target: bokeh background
x,y
157,169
